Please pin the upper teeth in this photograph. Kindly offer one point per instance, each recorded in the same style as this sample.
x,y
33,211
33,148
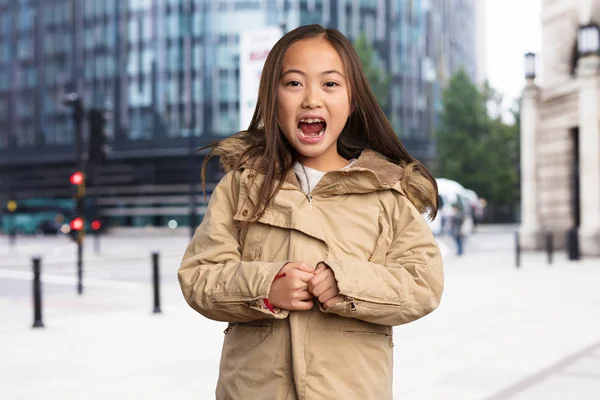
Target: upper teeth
x,y
311,120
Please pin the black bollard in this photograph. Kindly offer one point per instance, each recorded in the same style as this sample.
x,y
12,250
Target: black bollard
x,y
37,294
12,238
517,250
573,245
549,246
80,262
12,231
96,242
156,280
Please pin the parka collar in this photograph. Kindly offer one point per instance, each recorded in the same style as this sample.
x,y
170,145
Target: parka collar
x,y
371,172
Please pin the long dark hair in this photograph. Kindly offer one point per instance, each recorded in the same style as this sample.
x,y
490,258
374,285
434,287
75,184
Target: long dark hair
x,y
367,127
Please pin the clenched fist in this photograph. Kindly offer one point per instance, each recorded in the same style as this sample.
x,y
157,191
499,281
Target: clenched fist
x,y
324,287
291,291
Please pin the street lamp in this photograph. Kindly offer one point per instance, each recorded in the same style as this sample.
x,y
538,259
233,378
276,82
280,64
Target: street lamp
x,y
530,66
73,100
588,42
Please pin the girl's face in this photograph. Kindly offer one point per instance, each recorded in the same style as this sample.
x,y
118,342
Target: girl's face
x,y
313,102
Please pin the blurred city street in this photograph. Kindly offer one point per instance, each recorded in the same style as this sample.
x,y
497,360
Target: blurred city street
x,y
107,113
500,332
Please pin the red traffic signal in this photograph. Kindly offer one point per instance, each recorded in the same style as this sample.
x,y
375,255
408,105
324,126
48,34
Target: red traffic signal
x,y
76,178
77,224
96,225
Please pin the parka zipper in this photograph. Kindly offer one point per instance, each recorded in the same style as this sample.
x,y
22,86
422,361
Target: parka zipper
x,y
352,303
308,195
354,307
387,336
232,324
253,303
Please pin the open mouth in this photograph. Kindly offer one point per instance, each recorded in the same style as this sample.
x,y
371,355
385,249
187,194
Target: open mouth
x,y
311,128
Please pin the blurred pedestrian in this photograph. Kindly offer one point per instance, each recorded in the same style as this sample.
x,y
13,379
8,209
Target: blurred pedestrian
x,y
313,245
457,220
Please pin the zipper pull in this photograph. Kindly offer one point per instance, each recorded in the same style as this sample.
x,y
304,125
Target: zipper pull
x,y
309,197
352,303
253,303
228,329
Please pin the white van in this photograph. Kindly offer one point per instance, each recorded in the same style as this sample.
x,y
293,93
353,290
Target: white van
x,y
451,192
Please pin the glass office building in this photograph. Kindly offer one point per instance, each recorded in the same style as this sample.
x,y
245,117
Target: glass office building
x,y
167,74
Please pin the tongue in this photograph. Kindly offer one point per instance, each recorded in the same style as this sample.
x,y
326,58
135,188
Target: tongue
x,y
311,129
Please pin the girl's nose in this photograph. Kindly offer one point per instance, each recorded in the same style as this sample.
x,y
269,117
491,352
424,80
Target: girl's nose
x,y
311,99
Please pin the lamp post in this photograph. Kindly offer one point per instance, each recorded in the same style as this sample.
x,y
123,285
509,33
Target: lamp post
x,y
188,117
529,231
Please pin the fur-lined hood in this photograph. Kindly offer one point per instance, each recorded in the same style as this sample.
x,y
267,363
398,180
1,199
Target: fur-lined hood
x,y
405,179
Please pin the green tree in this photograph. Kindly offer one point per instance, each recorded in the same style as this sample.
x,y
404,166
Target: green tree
x,y
478,150
378,79
462,124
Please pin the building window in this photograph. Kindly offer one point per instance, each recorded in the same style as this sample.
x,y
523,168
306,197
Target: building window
x,y
138,5
175,58
172,90
173,25
25,48
198,94
132,63
25,19
5,24
134,31
4,79
4,52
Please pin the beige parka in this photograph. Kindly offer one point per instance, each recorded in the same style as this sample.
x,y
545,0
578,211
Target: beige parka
x,y
361,224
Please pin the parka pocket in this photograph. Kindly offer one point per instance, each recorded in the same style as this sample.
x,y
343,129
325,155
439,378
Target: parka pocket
x,y
378,256
251,239
257,326
370,335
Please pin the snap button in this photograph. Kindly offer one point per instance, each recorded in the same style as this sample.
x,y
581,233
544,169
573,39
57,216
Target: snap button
x,y
245,213
345,173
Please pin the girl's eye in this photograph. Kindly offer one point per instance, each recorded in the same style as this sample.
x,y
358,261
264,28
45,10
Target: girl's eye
x,y
331,84
293,83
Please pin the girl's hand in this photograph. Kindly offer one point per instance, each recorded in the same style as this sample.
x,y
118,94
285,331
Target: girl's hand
x,y
291,291
324,286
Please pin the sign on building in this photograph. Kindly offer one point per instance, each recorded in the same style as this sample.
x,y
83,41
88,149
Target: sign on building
x,y
255,45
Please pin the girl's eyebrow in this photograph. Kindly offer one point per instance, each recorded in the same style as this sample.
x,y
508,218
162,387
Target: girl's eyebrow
x,y
297,71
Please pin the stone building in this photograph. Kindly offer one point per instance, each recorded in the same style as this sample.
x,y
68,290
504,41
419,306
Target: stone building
x,y
560,133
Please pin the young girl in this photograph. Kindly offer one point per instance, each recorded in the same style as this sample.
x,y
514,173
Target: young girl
x,y
313,245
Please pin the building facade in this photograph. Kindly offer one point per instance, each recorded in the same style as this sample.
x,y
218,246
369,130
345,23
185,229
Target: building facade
x,y
560,132
167,74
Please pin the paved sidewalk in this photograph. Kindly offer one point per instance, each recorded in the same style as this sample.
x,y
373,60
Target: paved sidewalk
x,y
500,333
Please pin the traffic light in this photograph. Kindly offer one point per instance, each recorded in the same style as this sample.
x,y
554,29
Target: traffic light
x,y
77,179
96,225
97,148
77,224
